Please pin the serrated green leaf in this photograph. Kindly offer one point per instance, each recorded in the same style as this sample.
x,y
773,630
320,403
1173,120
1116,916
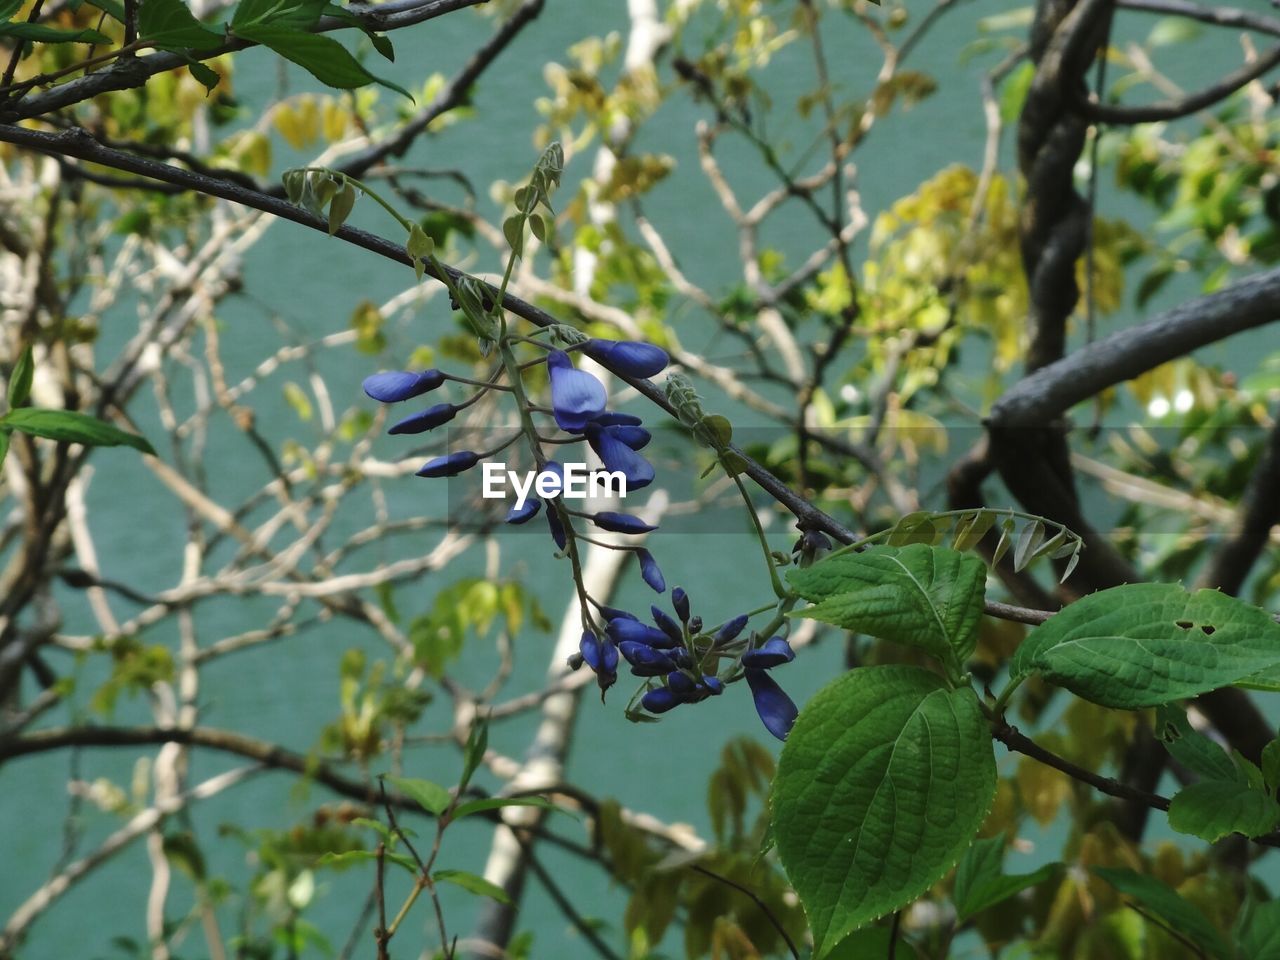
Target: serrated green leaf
x,y
922,596
1213,809
1169,906
20,380
497,803
169,24
69,426
472,883
981,882
1144,644
872,944
43,34
883,782
431,797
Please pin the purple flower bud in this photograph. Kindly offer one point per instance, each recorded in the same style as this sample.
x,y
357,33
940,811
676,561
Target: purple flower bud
x,y
525,513
695,625
731,629
650,572
393,386
554,468
681,683
576,396
660,700
451,465
772,653
557,528
775,708
646,661
633,631
628,358
667,625
713,685
426,420
680,601
612,613
620,522
616,455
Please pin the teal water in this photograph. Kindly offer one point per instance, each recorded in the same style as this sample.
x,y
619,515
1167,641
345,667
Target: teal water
x,y
286,690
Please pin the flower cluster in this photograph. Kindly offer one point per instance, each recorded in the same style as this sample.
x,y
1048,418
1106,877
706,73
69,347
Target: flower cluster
x,y
679,660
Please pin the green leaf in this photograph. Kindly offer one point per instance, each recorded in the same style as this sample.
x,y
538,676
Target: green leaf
x,y
296,14
431,797
323,57
1258,930
4,446
340,207
347,858
1193,749
39,32
8,8
72,427
205,75
473,754
496,803
168,24
921,596
981,882
473,883
382,43
1212,809
1144,644
1168,906
883,782
20,380
872,943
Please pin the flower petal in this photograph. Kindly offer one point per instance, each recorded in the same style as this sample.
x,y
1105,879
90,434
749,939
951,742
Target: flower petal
x,y
660,700
667,625
616,455
392,386
772,653
633,631
646,661
629,358
775,708
680,601
731,629
525,513
557,528
428,419
576,396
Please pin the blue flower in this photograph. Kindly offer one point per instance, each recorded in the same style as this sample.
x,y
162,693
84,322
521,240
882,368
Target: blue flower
x,y
648,662
620,522
730,630
576,396
667,625
650,571
660,700
772,653
633,631
680,601
428,419
393,386
602,657
613,613
451,465
628,358
775,708
616,455
525,513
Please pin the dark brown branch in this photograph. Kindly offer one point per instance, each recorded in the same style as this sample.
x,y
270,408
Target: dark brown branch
x,y
1192,103
1215,15
1051,391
